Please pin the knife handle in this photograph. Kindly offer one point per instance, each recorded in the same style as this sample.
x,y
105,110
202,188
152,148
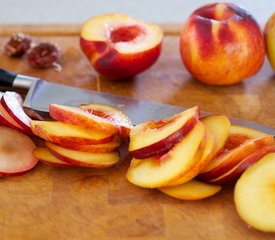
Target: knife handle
x,y
9,79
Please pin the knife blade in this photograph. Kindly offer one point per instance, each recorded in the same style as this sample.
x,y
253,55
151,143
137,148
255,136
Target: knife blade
x,y
41,93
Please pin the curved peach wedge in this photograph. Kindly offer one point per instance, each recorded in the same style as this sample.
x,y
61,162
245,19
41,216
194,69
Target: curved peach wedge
x,y
67,134
119,46
247,162
201,159
158,171
12,110
84,159
241,133
96,148
237,148
157,137
115,116
220,126
254,194
45,156
192,190
77,116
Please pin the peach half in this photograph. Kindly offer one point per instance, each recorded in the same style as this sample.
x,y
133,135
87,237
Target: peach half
x,y
119,46
222,44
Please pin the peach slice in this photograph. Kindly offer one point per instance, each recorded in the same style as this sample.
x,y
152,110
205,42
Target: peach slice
x,y
77,116
45,156
33,115
232,156
9,120
238,134
220,126
192,190
236,172
222,44
16,156
67,134
157,171
201,159
96,148
12,110
84,159
115,116
254,195
3,120
157,137
119,46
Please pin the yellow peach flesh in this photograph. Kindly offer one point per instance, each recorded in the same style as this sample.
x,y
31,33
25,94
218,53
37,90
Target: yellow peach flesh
x,y
152,173
149,133
192,190
99,29
254,194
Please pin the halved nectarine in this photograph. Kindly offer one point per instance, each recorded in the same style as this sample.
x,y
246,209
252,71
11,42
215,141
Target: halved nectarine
x,y
222,44
119,46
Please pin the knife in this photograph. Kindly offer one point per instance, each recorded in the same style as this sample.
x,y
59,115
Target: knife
x,y
41,93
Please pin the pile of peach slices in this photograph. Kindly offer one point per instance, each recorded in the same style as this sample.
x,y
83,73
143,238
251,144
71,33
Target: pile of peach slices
x,y
184,156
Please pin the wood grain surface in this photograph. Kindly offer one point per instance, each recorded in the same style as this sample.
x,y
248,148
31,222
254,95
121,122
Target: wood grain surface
x,y
82,203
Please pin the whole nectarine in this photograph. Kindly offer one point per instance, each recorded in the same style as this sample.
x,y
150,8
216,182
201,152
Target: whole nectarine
x,y
222,44
269,34
119,46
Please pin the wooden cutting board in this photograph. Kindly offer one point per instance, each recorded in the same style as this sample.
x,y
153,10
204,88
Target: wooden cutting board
x,y
81,203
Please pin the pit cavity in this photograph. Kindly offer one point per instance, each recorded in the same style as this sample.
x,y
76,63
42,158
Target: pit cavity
x,y
126,33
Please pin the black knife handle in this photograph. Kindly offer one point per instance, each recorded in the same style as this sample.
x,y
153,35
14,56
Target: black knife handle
x,y
9,79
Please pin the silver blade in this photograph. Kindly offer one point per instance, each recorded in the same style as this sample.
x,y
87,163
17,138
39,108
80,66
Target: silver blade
x,y
42,93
